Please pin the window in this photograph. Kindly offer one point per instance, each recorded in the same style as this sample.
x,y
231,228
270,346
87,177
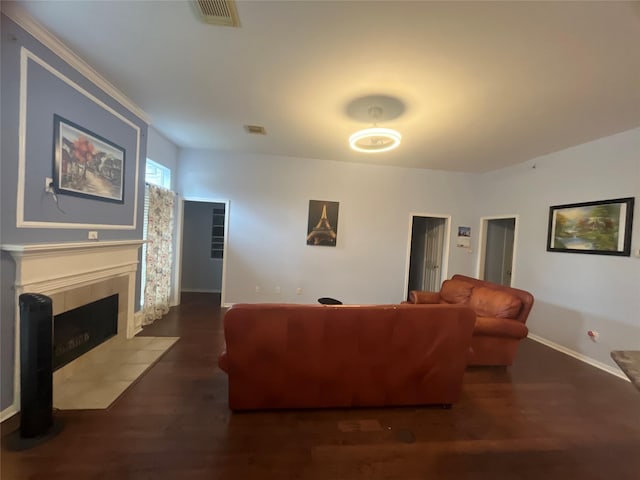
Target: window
x,y
156,174
217,233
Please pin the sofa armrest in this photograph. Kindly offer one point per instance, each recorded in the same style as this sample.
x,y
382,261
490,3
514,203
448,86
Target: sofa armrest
x,y
417,296
223,361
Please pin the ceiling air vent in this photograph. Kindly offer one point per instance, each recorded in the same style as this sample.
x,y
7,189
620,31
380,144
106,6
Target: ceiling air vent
x,y
218,12
255,129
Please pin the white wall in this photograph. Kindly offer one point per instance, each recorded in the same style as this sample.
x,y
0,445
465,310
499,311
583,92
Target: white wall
x,y
269,198
573,293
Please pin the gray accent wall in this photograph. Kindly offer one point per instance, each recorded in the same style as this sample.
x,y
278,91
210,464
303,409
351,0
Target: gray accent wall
x,y
200,272
47,94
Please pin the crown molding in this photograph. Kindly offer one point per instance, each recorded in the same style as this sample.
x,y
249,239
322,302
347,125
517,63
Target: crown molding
x,y
40,33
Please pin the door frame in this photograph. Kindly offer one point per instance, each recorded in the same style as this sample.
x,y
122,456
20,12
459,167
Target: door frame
x,y
177,279
482,247
444,272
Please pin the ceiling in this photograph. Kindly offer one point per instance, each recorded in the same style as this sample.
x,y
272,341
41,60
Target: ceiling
x,y
481,85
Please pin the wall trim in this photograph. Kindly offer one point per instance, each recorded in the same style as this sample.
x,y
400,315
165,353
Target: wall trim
x,y
482,244
446,250
9,412
25,56
138,317
178,253
579,356
40,33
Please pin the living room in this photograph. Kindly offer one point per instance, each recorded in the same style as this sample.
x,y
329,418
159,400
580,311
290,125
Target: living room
x,y
268,196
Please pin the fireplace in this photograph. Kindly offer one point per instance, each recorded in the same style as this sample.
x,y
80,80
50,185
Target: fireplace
x,y
74,275
77,331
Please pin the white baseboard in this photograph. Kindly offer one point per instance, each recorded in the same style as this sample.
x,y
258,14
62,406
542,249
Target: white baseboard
x,y
199,290
579,356
9,412
228,305
138,318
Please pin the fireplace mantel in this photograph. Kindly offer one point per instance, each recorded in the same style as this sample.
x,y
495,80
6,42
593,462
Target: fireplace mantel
x,y
52,267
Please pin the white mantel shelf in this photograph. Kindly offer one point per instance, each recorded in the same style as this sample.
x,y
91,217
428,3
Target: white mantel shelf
x,y
33,248
48,267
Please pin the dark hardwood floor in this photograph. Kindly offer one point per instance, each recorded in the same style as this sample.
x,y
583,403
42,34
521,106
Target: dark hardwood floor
x,y
547,417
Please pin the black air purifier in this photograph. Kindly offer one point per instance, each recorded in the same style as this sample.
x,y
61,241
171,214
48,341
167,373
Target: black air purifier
x,y
36,373
36,364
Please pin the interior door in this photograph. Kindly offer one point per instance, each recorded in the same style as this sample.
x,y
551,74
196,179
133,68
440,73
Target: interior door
x,y
427,253
498,259
434,250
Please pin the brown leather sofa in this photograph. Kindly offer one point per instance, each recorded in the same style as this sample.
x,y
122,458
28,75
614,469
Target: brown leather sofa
x,y
313,356
501,315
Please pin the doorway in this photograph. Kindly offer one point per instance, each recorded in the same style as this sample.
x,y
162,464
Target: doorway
x,y
202,250
428,252
496,261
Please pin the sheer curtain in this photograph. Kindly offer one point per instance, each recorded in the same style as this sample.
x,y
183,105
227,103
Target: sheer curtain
x,y
158,258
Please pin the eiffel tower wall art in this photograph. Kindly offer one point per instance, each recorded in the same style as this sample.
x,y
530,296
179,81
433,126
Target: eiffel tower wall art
x,y
322,229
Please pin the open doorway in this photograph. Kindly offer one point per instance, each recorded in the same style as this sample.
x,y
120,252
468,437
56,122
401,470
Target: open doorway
x,y
201,254
497,249
427,253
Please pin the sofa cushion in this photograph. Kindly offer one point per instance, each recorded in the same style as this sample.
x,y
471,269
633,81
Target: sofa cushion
x,y
488,302
456,291
499,327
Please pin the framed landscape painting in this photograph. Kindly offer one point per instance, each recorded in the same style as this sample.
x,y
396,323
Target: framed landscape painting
x,y
602,227
86,164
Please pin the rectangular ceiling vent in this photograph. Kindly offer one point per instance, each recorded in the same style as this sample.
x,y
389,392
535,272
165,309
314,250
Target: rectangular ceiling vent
x,y
255,129
218,12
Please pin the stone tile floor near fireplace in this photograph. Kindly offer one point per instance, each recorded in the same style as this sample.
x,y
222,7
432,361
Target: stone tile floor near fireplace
x,y
98,378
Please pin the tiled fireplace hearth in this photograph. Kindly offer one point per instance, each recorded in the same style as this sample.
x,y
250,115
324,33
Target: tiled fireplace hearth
x,y
75,274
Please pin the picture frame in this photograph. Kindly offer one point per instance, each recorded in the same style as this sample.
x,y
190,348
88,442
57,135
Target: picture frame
x,y
322,223
86,164
602,227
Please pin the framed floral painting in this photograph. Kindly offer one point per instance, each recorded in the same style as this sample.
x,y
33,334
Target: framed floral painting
x,y
86,164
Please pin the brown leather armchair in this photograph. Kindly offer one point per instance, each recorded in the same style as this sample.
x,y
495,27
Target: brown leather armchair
x,y
501,315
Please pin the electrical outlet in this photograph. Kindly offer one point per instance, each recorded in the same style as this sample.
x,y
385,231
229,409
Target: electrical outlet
x,y
258,289
48,184
299,291
277,289
93,235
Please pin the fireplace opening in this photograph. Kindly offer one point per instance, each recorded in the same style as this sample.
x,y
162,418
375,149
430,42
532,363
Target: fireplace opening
x,y
77,331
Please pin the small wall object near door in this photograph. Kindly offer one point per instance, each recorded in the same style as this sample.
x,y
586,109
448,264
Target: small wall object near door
x,y
86,164
464,237
322,227
602,227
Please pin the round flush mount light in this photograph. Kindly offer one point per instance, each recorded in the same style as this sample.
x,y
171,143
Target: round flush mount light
x,y
375,139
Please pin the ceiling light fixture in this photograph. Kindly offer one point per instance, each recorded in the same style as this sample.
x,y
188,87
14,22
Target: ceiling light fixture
x,y
375,139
